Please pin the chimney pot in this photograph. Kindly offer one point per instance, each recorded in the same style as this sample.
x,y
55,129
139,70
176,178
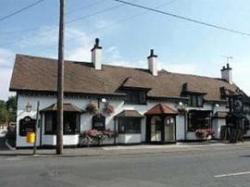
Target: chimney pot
x,y
226,73
96,54
152,63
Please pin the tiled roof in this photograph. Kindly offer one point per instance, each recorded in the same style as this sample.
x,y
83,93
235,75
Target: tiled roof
x,y
67,107
40,74
129,113
160,109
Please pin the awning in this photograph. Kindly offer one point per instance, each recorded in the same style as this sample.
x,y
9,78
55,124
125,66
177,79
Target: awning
x,y
67,107
161,109
129,113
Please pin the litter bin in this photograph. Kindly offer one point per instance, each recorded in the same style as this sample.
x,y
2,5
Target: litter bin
x,y
30,138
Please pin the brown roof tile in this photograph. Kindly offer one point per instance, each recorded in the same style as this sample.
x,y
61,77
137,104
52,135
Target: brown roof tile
x,y
67,107
160,109
129,113
40,74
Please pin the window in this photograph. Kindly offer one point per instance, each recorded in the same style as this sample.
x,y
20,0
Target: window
x,y
129,125
50,123
135,97
199,120
98,122
195,100
26,125
71,123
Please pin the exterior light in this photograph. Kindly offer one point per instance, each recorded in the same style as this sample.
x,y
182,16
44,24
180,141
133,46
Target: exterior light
x,y
103,100
217,105
180,104
28,107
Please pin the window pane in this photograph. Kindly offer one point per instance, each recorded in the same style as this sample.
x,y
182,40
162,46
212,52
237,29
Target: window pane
x,y
49,123
135,97
129,125
199,120
69,123
194,100
200,101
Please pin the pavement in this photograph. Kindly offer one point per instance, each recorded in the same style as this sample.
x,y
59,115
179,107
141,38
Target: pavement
x,y
195,165
128,150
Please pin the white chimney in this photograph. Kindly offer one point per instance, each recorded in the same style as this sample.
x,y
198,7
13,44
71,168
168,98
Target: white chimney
x,y
96,55
152,63
226,74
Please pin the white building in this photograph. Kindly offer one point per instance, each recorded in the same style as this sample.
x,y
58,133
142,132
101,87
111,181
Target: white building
x,y
150,106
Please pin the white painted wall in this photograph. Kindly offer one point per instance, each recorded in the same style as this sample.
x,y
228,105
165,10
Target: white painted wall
x,y
86,119
45,101
129,138
217,123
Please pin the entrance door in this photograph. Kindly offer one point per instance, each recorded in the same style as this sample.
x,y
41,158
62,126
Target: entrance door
x,y
169,128
156,129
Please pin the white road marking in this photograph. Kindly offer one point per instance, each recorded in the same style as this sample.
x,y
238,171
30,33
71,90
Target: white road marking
x,y
232,174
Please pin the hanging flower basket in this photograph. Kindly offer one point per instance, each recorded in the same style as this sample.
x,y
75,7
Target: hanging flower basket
x,y
108,109
92,108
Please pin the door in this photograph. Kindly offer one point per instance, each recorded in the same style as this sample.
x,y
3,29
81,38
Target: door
x,y
169,128
156,129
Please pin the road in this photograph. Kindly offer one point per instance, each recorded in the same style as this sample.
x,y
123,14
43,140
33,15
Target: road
x,y
228,167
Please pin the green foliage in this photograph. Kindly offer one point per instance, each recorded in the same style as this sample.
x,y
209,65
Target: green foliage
x,y
8,110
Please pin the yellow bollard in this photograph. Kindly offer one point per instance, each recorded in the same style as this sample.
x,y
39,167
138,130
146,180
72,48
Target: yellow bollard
x,y
30,138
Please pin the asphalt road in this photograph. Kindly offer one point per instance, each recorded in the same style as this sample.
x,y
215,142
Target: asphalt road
x,y
225,167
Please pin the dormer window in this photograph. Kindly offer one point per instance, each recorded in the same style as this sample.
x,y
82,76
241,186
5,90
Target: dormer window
x,y
135,97
135,91
195,100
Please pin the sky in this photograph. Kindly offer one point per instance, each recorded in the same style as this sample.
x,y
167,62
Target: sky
x,y
128,33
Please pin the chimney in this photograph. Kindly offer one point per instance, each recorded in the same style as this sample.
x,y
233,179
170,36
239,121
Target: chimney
x,y
96,55
226,73
152,63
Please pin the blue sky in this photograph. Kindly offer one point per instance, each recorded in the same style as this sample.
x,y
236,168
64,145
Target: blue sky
x,y
127,34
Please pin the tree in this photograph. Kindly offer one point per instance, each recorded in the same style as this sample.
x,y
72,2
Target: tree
x,y
4,115
11,106
8,110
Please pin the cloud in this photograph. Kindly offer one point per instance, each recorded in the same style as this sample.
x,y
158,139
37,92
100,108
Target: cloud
x,y
79,46
45,36
6,66
6,58
180,68
241,74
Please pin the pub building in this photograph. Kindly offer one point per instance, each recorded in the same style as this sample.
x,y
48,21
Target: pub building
x,y
141,105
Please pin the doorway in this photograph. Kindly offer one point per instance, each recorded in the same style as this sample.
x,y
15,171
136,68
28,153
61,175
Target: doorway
x,y
161,129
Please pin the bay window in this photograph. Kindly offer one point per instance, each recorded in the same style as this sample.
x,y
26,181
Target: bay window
x,y
71,123
129,125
